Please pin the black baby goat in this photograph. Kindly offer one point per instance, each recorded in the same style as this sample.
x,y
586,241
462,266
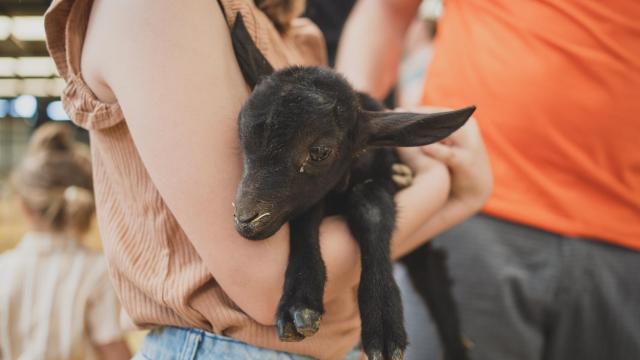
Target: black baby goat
x,y
315,147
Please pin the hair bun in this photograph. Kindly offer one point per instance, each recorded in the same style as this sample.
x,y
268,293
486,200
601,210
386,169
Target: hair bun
x,y
54,179
52,137
79,208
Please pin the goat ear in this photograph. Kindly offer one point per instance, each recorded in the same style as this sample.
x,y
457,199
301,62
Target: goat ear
x,y
253,64
388,128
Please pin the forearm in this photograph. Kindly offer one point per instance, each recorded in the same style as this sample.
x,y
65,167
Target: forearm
x,y
471,181
418,205
451,214
415,204
371,44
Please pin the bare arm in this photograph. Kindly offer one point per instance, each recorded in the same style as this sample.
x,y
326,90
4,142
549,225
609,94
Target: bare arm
x,y
369,55
179,85
117,350
471,181
372,42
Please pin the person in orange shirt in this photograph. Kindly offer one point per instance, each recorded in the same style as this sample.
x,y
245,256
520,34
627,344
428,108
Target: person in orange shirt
x,y
549,270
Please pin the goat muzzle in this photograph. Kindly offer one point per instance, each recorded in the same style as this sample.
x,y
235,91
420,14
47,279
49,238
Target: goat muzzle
x,y
253,224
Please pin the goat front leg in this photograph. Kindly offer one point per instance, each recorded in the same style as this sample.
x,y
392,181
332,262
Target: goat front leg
x,y
301,307
371,217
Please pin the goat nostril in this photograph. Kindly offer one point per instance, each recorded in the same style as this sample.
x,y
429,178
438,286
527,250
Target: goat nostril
x,y
246,217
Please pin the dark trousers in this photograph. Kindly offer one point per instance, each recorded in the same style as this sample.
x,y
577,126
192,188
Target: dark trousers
x,y
527,294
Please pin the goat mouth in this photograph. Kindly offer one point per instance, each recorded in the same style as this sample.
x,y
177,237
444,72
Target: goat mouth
x,y
259,228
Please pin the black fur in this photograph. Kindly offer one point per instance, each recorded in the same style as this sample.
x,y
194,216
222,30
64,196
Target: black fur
x,y
312,148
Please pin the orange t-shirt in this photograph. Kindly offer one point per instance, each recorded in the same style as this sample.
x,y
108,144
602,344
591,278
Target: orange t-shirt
x,y
557,85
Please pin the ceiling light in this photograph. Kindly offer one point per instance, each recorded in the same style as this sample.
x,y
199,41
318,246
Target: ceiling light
x,y
5,27
4,108
35,87
8,87
31,86
7,66
28,28
35,66
56,86
56,112
24,106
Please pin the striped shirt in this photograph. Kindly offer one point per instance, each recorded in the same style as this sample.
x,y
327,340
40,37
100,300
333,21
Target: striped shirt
x,y
56,301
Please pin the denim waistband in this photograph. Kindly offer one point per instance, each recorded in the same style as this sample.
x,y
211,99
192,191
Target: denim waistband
x,y
173,343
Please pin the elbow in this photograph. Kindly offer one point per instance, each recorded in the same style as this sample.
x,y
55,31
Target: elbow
x,y
259,294
254,281
265,316
262,308
484,188
487,187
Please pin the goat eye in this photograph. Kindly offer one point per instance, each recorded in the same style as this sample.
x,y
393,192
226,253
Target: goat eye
x,y
319,153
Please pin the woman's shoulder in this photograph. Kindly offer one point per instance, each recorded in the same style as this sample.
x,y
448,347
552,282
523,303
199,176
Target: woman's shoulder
x,y
65,25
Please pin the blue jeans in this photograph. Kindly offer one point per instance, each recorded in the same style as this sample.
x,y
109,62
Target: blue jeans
x,y
172,343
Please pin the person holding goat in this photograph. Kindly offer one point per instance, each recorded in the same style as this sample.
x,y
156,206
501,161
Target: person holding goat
x,y
167,161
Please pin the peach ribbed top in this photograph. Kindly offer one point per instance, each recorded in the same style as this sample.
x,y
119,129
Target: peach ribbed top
x,y
156,271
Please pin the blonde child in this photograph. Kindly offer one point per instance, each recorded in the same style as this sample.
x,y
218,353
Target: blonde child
x,y
56,301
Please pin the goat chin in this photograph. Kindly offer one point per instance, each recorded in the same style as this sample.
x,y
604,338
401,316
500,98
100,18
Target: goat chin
x,y
257,232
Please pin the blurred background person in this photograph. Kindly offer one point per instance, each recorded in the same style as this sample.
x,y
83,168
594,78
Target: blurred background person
x,y
56,301
329,16
548,271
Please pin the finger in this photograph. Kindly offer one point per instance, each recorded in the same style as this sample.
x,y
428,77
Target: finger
x,y
444,153
447,141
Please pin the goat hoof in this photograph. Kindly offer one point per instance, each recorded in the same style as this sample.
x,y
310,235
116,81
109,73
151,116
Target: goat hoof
x,y
397,354
393,354
307,321
402,175
287,331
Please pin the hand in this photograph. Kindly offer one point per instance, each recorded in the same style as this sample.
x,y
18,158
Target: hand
x,y
464,154
415,158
